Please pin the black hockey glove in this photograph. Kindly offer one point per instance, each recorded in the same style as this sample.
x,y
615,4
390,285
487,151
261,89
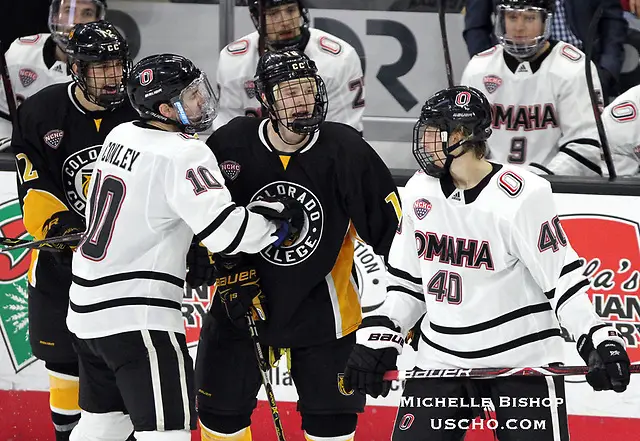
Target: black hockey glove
x,y
200,265
284,210
238,286
59,224
378,344
603,350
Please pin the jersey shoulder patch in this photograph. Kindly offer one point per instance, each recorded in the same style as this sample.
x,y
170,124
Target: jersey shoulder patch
x,y
570,52
187,136
624,112
238,47
30,39
511,183
329,45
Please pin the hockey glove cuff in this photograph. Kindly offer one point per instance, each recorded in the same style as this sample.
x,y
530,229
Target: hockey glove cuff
x,y
238,286
285,211
378,344
604,351
63,223
200,265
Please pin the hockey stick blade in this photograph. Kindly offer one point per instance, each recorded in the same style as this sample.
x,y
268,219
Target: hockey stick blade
x,y
18,244
486,373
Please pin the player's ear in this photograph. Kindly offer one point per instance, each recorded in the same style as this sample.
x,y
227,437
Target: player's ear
x,y
167,111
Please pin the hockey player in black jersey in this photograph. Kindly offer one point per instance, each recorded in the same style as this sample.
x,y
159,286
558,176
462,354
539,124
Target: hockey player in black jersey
x,y
56,142
312,303
482,251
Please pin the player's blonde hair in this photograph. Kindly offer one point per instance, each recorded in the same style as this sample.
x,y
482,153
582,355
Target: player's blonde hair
x,y
479,148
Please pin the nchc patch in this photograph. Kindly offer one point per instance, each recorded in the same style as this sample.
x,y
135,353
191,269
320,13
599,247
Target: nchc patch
x,y
27,77
492,82
53,138
421,208
230,169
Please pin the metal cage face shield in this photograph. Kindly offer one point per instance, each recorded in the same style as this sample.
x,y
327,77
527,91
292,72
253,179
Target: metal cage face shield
x,y
283,25
65,14
522,31
299,104
197,105
103,82
430,146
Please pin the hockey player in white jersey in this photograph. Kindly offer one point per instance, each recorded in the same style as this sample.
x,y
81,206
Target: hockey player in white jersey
x,y
37,61
621,123
481,250
542,114
154,185
284,24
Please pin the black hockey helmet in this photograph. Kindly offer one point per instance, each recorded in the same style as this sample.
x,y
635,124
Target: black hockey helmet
x,y
458,108
291,90
101,56
259,10
65,14
506,10
173,80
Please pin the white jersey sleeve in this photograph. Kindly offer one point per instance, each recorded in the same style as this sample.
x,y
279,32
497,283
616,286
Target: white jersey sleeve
x,y
579,145
232,99
541,244
405,302
621,123
196,192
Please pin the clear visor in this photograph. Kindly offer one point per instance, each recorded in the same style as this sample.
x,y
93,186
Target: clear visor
x,y
65,14
522,31
197,105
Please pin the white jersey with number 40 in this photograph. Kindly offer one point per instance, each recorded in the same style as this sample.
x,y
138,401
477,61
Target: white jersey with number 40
x,y
150,191
491,267
542,113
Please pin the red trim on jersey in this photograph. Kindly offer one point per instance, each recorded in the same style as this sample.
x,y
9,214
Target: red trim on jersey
x,y
570,52
487,52
624,112
238,47
30,39
330,46
511,183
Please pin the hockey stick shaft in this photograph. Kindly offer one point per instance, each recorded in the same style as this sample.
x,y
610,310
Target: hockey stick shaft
x,y
593,27
16,244
8,89
264,367
445,42
487,373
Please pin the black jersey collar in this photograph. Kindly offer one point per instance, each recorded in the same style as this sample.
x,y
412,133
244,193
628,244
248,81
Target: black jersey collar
x,y
264,138
513,63
95,114
470,195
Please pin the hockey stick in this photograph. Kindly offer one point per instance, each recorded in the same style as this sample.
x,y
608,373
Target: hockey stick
x,y
445,42
486,373
8,89
17,244
262,364
593,27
